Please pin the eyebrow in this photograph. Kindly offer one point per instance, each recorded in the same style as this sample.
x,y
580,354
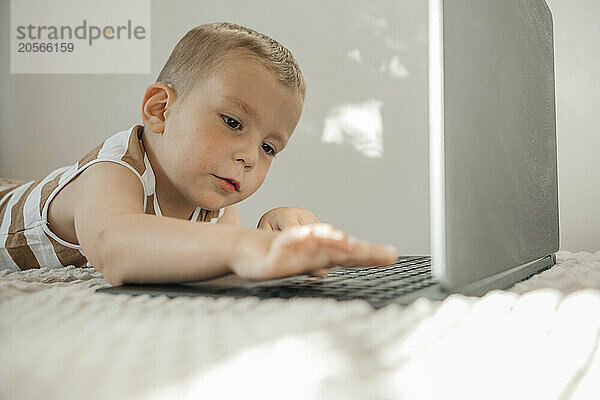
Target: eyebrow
x,y
245,106
248,109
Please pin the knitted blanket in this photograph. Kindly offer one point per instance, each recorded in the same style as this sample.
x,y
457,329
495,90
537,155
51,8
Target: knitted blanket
x,y
61,340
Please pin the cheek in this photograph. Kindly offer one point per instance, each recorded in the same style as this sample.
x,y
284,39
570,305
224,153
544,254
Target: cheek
x,y
189,162
212,149
262,175
202,153
210,140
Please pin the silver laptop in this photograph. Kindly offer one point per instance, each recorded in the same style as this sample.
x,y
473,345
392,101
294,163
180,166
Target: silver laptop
x,y
493,183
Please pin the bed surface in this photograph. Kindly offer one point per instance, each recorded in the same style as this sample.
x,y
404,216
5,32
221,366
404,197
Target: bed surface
x,y
60,339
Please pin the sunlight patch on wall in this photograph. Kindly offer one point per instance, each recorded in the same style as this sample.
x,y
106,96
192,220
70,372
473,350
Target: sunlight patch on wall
x,y
354,54
395,69
359,124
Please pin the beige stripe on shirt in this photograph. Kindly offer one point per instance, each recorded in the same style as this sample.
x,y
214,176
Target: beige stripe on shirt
x,y
134,155
92,155
47,190
67,255
207,215
5,191
150,205
16,242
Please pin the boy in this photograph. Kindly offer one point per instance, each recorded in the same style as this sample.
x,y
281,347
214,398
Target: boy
x,y
225,103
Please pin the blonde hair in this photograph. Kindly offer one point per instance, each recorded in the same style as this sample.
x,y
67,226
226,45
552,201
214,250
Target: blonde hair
x,y
198,53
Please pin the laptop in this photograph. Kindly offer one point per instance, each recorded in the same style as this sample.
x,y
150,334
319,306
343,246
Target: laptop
x,y
493,168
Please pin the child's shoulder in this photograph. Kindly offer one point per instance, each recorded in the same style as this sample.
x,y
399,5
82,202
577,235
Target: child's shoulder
x,y
109,176
125,148
99,187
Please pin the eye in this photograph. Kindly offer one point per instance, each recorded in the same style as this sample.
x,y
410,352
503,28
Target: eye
x,y
232,123
269,150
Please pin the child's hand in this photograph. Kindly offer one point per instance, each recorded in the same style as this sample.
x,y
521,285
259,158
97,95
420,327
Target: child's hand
x,y
262,255
281,218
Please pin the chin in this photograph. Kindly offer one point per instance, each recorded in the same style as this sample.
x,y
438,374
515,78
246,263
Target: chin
x,y
210,206
210,203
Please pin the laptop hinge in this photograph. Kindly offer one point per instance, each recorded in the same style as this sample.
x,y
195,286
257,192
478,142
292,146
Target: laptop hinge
x,y
505,279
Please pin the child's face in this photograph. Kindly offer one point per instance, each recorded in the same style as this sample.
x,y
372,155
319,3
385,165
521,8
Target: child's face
x,y
208,132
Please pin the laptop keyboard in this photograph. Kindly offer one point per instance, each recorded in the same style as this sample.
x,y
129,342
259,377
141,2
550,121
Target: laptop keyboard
x,y
374,284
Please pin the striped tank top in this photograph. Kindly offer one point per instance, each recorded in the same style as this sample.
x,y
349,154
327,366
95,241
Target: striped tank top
x,y
26,240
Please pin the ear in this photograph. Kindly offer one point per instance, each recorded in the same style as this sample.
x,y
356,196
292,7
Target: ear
x,y
155,108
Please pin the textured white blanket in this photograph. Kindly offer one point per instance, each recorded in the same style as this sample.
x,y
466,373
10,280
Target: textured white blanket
x,y
61,340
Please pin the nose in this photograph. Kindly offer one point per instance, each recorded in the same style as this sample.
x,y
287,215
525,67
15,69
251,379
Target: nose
x,y
247,155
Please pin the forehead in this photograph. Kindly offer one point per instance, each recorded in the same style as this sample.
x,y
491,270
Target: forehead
x,y
246,84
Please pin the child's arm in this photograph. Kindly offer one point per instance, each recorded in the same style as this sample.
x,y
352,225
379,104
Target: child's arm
x,y
129,246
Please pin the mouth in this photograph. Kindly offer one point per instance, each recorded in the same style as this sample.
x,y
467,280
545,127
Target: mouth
x,y
234,184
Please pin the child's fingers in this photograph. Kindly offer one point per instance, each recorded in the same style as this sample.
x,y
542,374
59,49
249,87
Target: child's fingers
x,y
368,254
325,231
310,248
349,251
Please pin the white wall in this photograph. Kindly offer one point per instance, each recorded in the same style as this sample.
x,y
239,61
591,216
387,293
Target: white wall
x,y
360,55
577,47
